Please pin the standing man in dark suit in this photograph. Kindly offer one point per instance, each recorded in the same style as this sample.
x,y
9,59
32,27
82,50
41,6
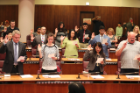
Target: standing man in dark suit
x,y
39,39
84,35
15,54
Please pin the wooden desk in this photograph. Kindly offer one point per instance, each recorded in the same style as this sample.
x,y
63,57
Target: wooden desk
x,y
72,68
31,66
90,87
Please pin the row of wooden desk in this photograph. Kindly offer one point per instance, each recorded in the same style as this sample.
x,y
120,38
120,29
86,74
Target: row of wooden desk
x,y
33,85
32,65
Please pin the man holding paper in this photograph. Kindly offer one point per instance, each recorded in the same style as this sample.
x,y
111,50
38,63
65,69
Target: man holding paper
x,y
15,54
84,35
104,39
129,51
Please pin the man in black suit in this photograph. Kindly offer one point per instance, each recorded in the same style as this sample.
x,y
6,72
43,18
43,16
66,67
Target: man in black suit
x,y
15,54
39,39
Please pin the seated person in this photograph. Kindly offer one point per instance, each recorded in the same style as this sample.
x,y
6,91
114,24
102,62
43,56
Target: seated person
x,y
84,35
100,38
119,31
136,31
93,55
49,53
60,31
76,88
71,44
113,38
127,50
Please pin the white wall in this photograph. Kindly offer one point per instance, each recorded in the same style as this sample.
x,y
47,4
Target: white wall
x,y
116,3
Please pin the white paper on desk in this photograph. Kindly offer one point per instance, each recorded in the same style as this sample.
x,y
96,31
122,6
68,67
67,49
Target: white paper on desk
x,y
99,60
86,35
51,76
97,76
26,76
20,58
132,76
104,41
7,75
136,57
50,55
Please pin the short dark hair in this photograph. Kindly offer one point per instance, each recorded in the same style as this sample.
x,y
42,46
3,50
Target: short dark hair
x,y
50,35
69,35
119,23
76,88
85,24
12,21
37,28
101,27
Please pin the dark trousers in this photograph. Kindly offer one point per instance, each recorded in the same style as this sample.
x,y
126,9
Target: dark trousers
x,y
130,71
49,71
15,69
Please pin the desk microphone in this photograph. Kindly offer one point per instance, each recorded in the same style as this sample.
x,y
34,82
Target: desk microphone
x,y
133,73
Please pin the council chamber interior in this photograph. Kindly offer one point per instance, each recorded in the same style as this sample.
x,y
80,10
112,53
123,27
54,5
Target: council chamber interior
x,y
77,52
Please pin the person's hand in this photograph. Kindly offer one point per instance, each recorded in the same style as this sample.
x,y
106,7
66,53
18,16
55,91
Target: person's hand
x,y
22,60
5,29
6,39
124,45
138,59
39,47
102,62
87,38
1,39
62,38
31,32
32,37
92,36
56,30
54,58
76,45
106,44
89,47
76,28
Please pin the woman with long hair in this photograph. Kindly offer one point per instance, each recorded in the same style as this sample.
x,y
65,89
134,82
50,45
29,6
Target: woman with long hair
x,y
93,55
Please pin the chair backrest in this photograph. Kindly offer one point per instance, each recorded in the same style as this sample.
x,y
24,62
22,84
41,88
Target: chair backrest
x,y
34,50
119,64
2,56
28,40
85,64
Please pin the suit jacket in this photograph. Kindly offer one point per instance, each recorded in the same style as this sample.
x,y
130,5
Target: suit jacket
x,y
9,59
37,40
89,55
105,48
80,35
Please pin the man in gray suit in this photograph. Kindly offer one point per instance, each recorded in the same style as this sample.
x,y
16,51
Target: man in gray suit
x,y
15,54
39,39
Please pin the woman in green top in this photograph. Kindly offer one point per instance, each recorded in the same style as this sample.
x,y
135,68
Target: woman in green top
x,y
71,44
119,31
